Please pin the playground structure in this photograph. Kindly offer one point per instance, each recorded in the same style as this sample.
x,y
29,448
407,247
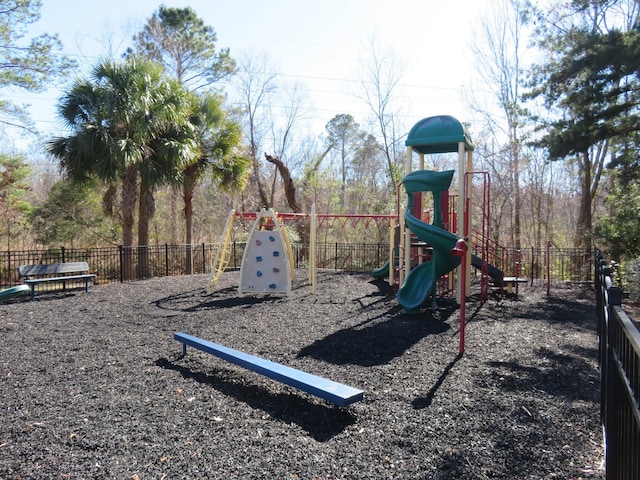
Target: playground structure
x,y
267,263
419,284
435,135
431,251
268,220
452,218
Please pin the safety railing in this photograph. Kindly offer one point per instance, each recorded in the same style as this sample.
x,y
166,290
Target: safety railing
x,y
619,352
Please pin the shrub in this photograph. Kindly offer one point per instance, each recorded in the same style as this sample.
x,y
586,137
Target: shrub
x,y
632,278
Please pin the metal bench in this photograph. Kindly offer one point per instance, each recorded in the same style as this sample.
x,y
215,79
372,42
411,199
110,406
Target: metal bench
x,y
55,272
509,282
334,392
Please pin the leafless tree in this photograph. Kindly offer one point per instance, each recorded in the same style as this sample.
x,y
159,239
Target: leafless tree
x,y
256,86
380,74
271,112
498,46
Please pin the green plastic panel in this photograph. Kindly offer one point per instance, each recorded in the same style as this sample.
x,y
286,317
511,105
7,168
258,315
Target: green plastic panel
x,y
439,134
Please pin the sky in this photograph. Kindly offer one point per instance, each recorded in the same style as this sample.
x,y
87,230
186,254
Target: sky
x,y
318,45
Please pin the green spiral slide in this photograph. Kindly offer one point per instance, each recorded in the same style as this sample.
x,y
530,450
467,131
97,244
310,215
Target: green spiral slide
x,y
420,284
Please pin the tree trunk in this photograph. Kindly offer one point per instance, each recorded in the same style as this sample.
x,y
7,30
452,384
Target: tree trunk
x,y
290,194
128,199
289,187
261,190
187,196
145,213
583,228
516,191
173,220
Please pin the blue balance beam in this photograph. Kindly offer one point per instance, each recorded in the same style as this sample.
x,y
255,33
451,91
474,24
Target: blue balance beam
x,y
334,392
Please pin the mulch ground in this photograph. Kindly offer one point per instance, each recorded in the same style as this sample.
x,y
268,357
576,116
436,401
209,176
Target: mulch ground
x,y
94,386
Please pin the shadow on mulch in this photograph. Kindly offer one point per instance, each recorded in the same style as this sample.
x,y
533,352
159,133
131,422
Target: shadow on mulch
x,y
374,342
563,310
322,422
561,375
50,295
187,301
424,402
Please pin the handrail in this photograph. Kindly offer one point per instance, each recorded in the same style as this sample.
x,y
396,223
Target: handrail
x,y
619,354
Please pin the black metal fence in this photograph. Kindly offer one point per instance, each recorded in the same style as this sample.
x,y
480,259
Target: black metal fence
x,y
619,351
119,264
551,263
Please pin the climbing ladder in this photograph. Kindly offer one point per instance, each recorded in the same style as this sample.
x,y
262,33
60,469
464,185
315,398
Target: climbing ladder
x,y
223,253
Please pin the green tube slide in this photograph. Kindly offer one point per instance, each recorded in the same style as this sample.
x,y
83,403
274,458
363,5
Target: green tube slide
x,y
420,285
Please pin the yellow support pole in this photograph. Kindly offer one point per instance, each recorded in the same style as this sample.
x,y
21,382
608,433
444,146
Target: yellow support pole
x,y
407,238
312,249
221,259
392,247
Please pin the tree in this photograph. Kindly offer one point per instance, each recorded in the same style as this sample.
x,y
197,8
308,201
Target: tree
x,y
343,134
181,42
130,125
256,89
380,77
368,191
30,66
620,229
218,138
72,214
590,84
13,186
498,50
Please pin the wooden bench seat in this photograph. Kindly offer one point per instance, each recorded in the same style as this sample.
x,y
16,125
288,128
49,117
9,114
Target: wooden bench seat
x,y
56,272
334,392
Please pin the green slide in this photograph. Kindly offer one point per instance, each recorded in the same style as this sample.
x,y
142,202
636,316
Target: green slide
x,y
420,284
381,272
12,292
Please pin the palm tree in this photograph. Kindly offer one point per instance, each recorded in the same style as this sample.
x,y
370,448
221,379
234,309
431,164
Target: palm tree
x,y
218,138
129,125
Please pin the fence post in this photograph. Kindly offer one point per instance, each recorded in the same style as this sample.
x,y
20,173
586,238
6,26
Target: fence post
x,y
614,295
9,275
612,379
120,256
166,260
63,255
204,261
548,267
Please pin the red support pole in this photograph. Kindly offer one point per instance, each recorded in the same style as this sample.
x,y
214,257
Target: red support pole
x,y
548,267
460,250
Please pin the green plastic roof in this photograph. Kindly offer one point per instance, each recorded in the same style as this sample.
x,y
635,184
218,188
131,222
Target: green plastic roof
x,y
439,134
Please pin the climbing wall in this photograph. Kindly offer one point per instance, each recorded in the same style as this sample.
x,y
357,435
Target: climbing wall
x,y
265,264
